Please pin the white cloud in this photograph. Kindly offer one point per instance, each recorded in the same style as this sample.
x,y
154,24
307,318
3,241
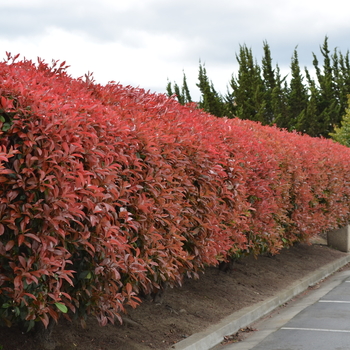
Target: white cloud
x,y
144,42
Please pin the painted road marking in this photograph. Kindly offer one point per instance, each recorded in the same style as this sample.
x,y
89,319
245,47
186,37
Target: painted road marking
x,y
316,330
334,301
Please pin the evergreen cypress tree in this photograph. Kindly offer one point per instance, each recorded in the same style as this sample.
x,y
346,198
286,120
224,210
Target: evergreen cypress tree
x,y
342,77
328,108
323,109
210,101
342,134
185,90
297,96
337,75
183,95
308,121
279,99
261,94
178,94
247,96
344,63
269,84
169,89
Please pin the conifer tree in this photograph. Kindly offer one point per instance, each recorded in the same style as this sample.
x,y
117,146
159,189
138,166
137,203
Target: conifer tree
x,y
308,120
297,96
183,95
269,84
169,89
259,93
247,96
185,90
328,105
342,77
342,134
210,101
324,109
279,99
178,94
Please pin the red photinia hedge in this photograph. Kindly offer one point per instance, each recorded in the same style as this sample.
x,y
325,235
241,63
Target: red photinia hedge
x,y
109,191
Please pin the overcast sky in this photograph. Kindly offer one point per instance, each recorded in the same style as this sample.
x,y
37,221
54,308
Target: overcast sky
x,y
145,42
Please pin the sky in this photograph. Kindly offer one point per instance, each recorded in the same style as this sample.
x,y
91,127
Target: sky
x,y
145,43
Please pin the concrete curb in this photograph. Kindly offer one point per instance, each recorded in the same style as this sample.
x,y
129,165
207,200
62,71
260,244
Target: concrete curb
x,y
213,335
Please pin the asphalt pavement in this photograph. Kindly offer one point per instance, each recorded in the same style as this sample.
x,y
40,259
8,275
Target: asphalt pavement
x,y
298,318
320,320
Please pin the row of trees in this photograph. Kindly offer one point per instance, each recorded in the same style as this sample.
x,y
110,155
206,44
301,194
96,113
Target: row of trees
x,y
309,103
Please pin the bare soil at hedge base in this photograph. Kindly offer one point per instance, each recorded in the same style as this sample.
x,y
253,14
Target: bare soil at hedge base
x,y
190,309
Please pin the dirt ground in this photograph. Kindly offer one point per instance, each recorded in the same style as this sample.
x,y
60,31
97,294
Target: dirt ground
x,y
190,309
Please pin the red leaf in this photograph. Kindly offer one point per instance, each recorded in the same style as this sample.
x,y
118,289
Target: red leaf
x,y
3,102
53,313
20,239
17,282
35,237
23,261
9,245
30,295
128,288
45,319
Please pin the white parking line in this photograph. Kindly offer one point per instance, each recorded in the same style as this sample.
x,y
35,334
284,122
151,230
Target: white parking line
x,y
316,330
334,301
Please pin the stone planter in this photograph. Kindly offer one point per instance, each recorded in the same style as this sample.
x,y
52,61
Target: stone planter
x,y
339,239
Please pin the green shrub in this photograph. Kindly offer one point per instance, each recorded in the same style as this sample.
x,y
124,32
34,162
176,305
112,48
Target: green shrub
x,y
342,134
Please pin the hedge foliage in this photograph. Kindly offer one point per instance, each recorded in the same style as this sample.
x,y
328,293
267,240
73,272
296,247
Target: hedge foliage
x,y
110,191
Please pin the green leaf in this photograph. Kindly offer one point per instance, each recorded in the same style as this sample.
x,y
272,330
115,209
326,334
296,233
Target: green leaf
x,y
31,325
85,275
17,311
6,127
63,308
